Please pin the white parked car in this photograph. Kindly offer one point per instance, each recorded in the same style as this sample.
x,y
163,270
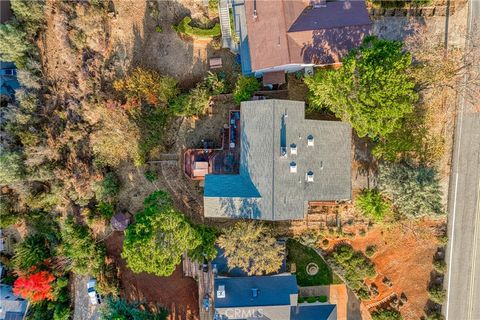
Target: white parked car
x,y
92,292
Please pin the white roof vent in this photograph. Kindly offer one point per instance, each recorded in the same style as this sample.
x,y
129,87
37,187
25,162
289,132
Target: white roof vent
x,y
221,292
293,167
293,148
310,141
309,176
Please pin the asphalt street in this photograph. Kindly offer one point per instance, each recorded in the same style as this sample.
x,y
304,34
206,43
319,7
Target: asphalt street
x,y
463,251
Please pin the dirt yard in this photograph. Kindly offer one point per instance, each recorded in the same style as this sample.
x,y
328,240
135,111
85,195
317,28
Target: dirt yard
x,y
177,293
405,252
134,33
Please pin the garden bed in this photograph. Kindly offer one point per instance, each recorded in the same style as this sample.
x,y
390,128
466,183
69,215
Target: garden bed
x,y
184,27
302,256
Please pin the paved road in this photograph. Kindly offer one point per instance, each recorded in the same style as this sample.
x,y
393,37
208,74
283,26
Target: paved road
x,y
463,254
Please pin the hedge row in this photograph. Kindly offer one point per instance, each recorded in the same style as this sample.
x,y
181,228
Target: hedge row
x,y
313,299
185,27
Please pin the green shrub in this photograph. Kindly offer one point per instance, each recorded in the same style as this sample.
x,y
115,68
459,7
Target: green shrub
x,y
213,6
152,123
215,82
443,239
436,315
440,266
311,299
194,103
414,190
301,299
356,268
105,210
108,188
245,88
122,310
185,28
158,29
370,250
437,294
372,204
322,299
8,215
386,315
151,175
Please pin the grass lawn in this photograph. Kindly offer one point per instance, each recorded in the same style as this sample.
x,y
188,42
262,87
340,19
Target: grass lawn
x,y
302,256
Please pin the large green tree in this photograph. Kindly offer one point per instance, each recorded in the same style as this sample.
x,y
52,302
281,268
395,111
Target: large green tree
x,y
13,43
250,246
30,14
12,168
33,250
413,190
158,238
79,247
372,90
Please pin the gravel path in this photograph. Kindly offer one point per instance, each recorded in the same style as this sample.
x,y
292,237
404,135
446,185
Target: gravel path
x,y
84,310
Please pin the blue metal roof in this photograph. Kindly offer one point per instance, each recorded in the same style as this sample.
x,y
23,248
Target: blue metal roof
x,y
229,185
238,7
8,79
311,312
271,291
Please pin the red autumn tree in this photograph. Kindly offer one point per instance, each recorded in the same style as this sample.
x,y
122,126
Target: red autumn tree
x,y
35,287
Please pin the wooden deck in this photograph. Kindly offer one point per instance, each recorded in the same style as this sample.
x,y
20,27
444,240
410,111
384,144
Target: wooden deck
x,y
205,285
223,160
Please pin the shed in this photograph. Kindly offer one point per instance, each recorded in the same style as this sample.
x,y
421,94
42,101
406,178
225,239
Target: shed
x,y
120,221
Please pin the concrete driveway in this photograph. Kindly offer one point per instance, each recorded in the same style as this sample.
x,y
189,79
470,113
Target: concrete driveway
x,y
83,309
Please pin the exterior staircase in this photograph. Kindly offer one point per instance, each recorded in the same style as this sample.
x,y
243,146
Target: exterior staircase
x,y
224,14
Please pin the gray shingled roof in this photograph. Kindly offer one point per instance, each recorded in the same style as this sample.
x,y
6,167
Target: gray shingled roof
x,y
265,126
336,14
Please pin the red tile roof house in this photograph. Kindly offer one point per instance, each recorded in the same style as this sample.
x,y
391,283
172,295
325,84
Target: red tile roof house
x,y
289,35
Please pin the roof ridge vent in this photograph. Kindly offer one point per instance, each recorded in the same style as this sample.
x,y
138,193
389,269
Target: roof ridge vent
x,y
310,141
293,148
309,176
293,167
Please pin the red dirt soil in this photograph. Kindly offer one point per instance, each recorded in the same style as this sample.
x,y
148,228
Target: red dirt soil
x,y
404,254
179,294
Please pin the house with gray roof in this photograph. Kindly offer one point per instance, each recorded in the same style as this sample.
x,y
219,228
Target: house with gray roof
x,y
12,307
286,163
265,297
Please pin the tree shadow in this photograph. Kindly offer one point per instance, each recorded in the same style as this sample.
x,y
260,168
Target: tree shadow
x,y
328,46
